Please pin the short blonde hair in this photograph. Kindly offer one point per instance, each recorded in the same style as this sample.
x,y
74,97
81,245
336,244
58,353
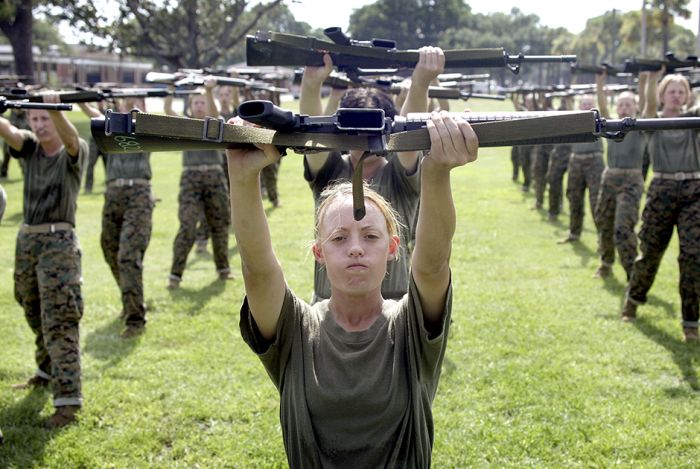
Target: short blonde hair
x,y
343,190
667,80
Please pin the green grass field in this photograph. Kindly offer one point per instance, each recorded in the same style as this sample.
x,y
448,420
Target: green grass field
x,y
539,372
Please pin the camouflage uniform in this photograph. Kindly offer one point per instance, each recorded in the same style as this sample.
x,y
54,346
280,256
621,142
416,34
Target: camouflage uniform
x,y
540,164
127,218
673,199
47,265
18,118
525,158
268,178
515,160
202,188
558,164
93,156
617,208
585,169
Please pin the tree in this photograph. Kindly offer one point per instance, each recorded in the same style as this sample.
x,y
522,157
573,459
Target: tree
x,y
668,9
187,33
411,23
17,24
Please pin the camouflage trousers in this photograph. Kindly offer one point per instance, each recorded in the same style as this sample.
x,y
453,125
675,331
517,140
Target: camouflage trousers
x,y
584,172
616,214
127,218
525,153
202,191
268,178
670,204
540,164
558,164
47,286
515,161
93,155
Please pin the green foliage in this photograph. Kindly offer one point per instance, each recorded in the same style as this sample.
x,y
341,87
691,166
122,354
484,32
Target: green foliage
x,y
190,33
411,23
539,370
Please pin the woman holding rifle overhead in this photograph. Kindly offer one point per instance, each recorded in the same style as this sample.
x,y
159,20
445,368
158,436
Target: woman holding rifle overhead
x,y
673,200
356,373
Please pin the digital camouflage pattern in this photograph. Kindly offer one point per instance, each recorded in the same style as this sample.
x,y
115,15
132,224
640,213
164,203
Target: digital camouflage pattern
x,y
616,213
202,191
268,177
540,164
525,153
127,219
94,154
584,172
47,286
558,164
515,160
670,204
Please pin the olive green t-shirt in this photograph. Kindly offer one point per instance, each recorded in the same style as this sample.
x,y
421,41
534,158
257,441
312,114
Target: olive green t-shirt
x,y
675,151
201,157
51,183
402,190
354,399
628,153
129,166
587,147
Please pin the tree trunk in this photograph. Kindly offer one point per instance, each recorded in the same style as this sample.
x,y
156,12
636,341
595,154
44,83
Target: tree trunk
x,y
19,33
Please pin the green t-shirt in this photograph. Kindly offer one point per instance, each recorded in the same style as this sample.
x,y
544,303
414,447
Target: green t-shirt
x,y
400,189
587,147
201,157
629,153
354,399
674,151
129,166
51,183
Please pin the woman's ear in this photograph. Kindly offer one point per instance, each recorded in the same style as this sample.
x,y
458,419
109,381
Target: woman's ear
x,y
394,243
318,253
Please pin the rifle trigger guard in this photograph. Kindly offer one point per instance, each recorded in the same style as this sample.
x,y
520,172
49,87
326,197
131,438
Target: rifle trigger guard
x,y
219,132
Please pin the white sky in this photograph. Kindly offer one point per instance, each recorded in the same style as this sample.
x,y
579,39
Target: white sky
x,y
571,14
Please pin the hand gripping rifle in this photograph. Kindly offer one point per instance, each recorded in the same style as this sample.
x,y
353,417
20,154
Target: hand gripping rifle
x,y
271,48
354,129
6,104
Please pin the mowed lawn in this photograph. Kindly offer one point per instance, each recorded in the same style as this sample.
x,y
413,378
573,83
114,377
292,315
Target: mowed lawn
x,y
539,371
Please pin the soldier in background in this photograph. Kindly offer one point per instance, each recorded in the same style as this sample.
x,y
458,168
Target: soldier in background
x,y
47,256
585,169
673,201
18,118
202,188
558,164
617,208
127,220
94,155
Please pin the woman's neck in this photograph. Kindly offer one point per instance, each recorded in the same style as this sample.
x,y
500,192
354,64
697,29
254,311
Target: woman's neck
x,y
355,313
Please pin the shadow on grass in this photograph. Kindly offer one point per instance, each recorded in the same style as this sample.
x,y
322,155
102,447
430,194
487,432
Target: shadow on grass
x,y
198,297
106,345
681,352
582,251
23,429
